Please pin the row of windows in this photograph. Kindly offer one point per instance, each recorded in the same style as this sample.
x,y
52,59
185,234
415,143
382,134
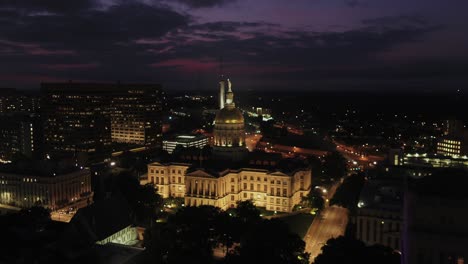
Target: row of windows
x,y
375,231
160,180
449,146
451,142
252,178
162,171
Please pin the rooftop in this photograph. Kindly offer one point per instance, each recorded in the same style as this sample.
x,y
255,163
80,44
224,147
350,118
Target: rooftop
x,y
41,168
447,183
382,193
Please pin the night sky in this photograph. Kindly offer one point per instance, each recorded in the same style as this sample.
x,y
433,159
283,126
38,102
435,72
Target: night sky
x,y
376,45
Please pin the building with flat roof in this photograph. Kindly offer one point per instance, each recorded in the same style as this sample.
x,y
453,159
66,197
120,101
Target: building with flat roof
x,y
14,101
106,221
53,190
455,139
20,134
88,117
186,141
435,229
136,115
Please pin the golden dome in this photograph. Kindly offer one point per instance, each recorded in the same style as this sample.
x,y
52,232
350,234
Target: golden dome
x,y
229,116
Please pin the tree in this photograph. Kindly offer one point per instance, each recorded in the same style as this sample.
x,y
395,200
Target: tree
x,y
247,212
334,165
347,195
316,166
189,236
313,200
270,241
144,201
348,250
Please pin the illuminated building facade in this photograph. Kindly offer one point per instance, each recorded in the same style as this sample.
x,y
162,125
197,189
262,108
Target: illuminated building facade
x,y
452,146
232,174
272,189
87,117
53,191
229,130
222,97
186,141
136,115
455,140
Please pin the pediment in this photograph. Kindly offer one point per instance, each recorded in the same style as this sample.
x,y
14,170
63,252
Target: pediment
x,y
200,173
278,173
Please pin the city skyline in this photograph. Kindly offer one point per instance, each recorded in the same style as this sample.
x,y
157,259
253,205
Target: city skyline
x,y
306,45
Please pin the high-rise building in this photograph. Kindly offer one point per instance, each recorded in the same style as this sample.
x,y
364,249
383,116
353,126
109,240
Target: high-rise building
x,y
76,118
136,115
20,134
88,117
12,100
221,94
379,215
435,229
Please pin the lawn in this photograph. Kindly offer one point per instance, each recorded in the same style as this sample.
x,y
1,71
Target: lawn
x,y
299,223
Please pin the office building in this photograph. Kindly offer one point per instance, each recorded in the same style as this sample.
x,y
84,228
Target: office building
x,y
12,100
186,141
452,146
88,117
435,229
136,116
76,118
379,217
20,135
455,139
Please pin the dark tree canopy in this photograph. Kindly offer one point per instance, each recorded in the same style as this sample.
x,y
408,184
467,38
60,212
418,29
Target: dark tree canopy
x,y
313,200
270,241
347,195
143,199
348,250
192,234
334,165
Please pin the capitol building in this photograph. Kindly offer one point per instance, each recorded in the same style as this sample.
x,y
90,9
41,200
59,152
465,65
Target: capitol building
x,y
231,173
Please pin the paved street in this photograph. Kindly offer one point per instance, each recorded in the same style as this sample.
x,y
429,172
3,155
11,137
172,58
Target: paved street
x,y
330,223
60,216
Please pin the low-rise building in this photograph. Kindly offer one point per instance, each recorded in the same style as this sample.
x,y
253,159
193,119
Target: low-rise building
x,y
186,141
106,221
274,189
54,190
